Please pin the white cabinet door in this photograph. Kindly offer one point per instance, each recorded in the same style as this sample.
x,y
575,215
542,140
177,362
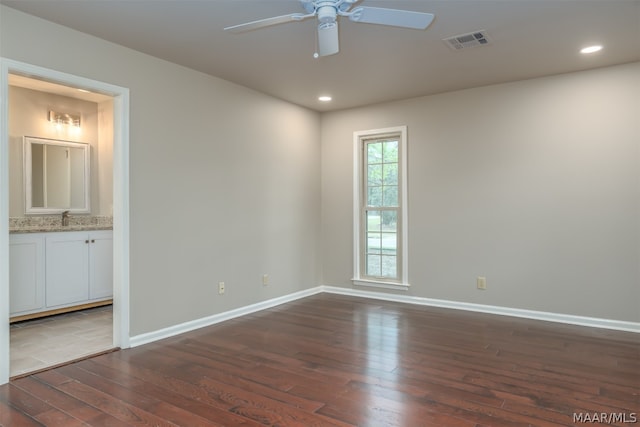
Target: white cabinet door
x,y
55,270
100,264
67,268
26,273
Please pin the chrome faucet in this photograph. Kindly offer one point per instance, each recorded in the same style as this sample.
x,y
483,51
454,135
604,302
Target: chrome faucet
x,y
65,218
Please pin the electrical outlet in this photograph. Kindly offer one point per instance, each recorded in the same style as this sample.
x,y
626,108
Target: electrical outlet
x,y
221,288
265,279
481,283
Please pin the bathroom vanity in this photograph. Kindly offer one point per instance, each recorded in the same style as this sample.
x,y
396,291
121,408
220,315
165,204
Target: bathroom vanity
x,y
55,270
60,255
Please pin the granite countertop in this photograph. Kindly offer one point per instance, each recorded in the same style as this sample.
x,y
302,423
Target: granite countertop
x,y
58,228
53,223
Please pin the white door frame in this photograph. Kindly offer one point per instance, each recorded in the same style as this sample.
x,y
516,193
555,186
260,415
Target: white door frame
x,y
120,199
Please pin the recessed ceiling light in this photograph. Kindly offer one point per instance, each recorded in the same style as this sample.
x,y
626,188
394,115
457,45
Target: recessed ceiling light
x,y
324,98
591,49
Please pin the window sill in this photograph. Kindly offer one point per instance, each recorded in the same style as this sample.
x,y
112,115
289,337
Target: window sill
x,y
381,284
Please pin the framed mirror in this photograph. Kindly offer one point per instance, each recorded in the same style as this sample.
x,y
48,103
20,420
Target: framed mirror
x,y
56,176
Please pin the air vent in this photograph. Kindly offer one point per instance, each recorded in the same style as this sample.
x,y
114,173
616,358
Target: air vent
x,y
469,40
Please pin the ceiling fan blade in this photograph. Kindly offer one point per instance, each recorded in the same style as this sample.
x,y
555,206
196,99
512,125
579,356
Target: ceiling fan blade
x,y
328,43
392,17
261,23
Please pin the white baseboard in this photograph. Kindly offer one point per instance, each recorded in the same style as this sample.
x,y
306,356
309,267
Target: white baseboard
x,y
217,318
618,325
593,322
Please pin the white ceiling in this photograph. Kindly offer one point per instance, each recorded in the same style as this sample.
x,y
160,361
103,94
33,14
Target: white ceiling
x,y
530,38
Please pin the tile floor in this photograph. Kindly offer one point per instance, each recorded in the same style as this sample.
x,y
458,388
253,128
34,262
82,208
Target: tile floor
x,y
39,343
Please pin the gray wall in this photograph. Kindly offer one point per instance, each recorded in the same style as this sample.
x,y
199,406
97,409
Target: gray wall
x,y
224,181
534,184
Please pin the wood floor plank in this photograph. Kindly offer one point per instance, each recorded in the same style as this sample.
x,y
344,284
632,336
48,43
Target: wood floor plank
x,y
14,417
242,401
126,411
192,397
23,401
187,411
64,403
332,360
145,401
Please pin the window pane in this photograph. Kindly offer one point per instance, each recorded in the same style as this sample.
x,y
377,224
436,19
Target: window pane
x,y
374,243
388,243
390,196
374,152
389,267
373,265
390,175
390,152
374,175
389,221
374,196
373,220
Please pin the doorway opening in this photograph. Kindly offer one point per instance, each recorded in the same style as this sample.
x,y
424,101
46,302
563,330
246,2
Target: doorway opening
x,y
108,129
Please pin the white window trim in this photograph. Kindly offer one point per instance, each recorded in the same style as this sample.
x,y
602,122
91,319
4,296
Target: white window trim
x,y
358,137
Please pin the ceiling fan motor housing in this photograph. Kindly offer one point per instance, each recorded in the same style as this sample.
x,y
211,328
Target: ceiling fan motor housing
x,y
327,14
311,6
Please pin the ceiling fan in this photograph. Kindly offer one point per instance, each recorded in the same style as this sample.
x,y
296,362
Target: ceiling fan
x,y
327,12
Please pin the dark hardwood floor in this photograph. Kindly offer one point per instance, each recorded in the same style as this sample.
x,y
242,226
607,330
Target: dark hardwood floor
x,y
330,360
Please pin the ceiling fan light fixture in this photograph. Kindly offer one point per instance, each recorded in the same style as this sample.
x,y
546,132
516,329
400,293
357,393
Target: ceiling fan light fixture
x,y
328,41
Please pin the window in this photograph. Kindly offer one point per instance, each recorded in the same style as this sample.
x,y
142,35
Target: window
x,y
380,217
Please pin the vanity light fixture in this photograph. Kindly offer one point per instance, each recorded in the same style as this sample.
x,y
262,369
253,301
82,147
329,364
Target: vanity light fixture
x,y
324,98
591,49
64,118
